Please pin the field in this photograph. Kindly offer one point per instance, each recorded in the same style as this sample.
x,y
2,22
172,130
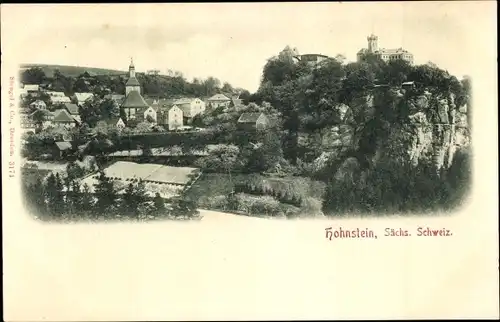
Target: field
x,y
211,191
71,71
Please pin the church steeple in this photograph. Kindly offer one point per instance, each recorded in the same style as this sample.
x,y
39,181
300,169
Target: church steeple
x,y
132,83
131,68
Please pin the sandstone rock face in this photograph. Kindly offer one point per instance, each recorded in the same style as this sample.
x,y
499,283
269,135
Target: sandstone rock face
x,y
435,129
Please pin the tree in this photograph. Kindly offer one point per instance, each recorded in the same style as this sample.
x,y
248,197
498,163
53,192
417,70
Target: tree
x,y
340,58
35,196
108,109
227,88
105,194
74,171
54,195
33,75
211,86
90,113
150,119
80,85
38,118
184,207
268,154
158,205
133,198
143,127
86,200
73,196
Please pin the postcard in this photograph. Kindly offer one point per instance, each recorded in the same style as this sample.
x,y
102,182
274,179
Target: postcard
x,y
250,161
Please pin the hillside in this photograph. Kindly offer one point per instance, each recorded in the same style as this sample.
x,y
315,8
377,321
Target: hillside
x,y
71,71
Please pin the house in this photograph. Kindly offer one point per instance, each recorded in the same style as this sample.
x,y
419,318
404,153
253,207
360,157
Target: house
x,y
31,88
408,85
39,105
81,98
64,119
58,97
117,122
151,113
172,117
73,109
190,107
253,121
219,100
63,148
42,118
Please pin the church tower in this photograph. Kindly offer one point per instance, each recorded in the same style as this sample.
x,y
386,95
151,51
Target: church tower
x,y
132,83
131,68
372,43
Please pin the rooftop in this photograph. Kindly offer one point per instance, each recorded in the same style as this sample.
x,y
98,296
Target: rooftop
x,y
149,172
132,81
219,97
63,116
63,145
81,97
249,117
134,99
72,108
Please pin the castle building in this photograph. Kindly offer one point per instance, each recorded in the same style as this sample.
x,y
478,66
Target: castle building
x,y
383,53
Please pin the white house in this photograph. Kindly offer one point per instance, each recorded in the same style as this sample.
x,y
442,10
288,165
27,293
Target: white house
x,y
174,118
190,106
117,122
83,97
31,88
39,105
219,100
152,112
58,97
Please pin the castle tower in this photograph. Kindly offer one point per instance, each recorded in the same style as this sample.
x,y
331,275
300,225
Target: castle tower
x,y
372,43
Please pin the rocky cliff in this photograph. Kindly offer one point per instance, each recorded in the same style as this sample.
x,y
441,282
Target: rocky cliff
x,y
430,127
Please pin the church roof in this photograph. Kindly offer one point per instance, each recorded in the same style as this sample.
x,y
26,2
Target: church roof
x,y
132,81
134,99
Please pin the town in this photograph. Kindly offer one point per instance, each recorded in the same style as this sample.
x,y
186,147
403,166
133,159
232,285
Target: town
x,y
145,145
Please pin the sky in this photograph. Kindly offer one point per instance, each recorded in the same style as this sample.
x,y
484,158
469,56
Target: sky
x,y
233,41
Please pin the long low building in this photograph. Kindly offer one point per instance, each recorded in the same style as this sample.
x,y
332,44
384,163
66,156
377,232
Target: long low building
x,y
150,172
168,181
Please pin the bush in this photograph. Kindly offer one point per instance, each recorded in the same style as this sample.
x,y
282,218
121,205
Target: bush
x,y
286,193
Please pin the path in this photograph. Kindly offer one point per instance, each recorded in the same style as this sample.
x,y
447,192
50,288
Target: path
x,y
209,215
